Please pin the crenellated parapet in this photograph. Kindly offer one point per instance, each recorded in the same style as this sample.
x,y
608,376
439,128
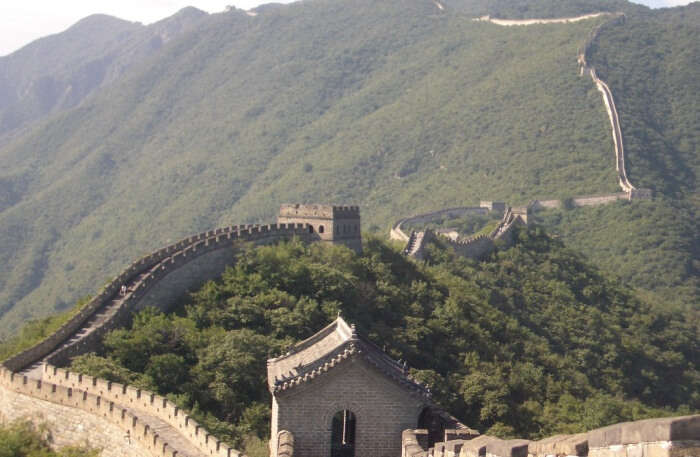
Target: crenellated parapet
x,y
157,279
148,433
333,224
285,444
663,437
142,277
167,272
143,401
473,247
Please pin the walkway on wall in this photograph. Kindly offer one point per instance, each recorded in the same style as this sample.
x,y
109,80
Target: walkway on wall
x,y
112,308
517,22
169,434
475,247
94,322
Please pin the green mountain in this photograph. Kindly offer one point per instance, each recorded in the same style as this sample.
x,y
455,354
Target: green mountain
x,y
400,107
532,341
56,73
652,62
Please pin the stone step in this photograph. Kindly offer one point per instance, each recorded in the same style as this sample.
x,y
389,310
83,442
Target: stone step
x,y
169,434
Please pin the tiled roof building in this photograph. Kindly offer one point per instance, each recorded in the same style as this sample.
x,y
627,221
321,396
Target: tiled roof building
x,y
339,395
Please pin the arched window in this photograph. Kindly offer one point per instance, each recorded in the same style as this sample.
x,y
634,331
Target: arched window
x,y
343,434
320,229
311,228
430,421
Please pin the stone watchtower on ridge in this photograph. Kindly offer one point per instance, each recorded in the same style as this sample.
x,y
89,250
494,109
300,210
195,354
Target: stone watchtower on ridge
x,y
336,394
332,224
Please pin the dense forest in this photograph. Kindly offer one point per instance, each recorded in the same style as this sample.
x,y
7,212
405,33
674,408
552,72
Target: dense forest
x,y
533,341
24,439
653,246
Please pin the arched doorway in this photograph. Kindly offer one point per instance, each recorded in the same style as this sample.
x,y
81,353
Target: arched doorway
x,y
430,421
343,434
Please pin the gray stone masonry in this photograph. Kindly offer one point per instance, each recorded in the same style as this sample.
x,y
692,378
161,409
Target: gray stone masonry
x,y
69,426
382,410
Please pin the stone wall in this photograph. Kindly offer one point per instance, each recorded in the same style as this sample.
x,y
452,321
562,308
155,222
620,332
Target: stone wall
x,y
597,200
474,248
665,437
143,264
152,281
155,280
69,426
140,401
332,224
22,390
382,411
516,22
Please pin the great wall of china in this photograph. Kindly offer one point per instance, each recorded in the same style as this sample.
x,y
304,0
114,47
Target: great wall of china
x,y
666,437
124,420
479,246
150,421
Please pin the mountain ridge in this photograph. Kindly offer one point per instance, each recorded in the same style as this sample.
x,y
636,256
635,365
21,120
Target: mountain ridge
x,y
55,73
303,102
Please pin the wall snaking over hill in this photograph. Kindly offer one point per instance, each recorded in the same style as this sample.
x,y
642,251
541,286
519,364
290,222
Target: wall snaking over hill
x,y
152,280
157,280
474,247
585,68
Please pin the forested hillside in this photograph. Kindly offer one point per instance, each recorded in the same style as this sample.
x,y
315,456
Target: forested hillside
x,y
57,72
654,246
532,341
644,60
400,107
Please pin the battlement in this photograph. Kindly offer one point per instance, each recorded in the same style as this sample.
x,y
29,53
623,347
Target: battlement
x,y
493,206
314,211
121,416
333,224
663,437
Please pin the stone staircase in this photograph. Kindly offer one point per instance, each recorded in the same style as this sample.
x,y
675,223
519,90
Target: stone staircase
x,y
102,315
415,244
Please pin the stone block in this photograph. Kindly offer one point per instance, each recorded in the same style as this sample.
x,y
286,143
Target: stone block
x,y
508,448
647,431
570,445
477,446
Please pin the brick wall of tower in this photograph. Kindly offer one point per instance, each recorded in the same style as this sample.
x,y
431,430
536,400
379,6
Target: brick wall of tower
x,y
332,224
382,409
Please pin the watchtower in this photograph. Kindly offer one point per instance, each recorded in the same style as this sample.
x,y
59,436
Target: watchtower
x,y
338,395
333,224
521,212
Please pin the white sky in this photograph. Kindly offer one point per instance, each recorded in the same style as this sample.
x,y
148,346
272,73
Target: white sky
x,y
22,21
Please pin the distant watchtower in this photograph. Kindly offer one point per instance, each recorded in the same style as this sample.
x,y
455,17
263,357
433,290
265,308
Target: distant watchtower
x,y
333,224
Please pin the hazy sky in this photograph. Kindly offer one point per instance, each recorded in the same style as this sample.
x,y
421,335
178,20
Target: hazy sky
x,y
22,21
